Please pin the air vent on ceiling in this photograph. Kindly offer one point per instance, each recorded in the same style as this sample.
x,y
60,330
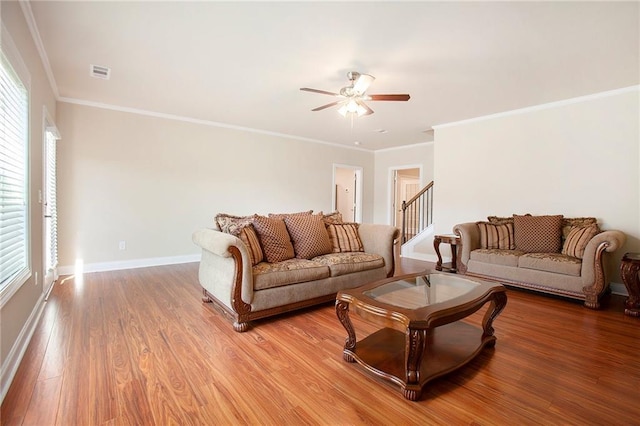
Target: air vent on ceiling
x,y
98,71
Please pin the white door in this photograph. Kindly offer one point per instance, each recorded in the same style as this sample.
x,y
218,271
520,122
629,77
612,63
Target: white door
x,y
347,192
50,211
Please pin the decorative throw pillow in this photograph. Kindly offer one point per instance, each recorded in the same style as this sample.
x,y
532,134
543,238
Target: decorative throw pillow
x,y
577,240
496,236
308,234
250,239
274,238
334,217
283,215
344,237
230,224
497,220
568,223
538,234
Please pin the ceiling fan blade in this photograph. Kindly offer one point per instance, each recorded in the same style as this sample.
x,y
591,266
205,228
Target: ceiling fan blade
x,y
320,108
365,106
324,92
389,97
362,83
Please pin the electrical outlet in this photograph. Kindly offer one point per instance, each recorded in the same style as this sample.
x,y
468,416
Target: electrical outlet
x,y
122,245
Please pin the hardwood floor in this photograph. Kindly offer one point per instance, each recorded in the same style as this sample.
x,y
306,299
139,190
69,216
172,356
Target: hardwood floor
x,y
138,347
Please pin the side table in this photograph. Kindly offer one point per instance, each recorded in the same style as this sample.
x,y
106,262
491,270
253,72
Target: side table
x,y
629,268
453,241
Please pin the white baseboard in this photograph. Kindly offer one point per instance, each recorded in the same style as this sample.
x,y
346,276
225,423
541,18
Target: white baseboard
x,y
12,362
129,264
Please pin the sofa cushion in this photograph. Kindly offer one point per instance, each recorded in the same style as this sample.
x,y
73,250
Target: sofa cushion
x,y
308,234
499,220
551,262
568,223
344,237
231,224
274,238
347,263
283,215
497,256
577,240
250,239
291,271
538,234
496,236
333,217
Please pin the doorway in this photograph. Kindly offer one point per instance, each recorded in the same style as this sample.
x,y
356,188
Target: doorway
x,y
49,206
405,183
347,192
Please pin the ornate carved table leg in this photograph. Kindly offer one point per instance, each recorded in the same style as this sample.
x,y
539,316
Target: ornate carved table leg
x,y
629,269
342,311
436,246
498,302
416,340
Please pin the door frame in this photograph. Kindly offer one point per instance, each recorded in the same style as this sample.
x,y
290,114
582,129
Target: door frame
x,y
358,185
48,276
391,188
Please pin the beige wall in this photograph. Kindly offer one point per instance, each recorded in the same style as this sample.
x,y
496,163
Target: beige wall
x,y
152,181
576,158
23,307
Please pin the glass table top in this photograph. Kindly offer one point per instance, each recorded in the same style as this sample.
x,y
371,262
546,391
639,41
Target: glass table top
x,y
422,291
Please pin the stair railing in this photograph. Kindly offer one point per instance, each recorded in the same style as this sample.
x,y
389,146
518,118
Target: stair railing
x,y
417,213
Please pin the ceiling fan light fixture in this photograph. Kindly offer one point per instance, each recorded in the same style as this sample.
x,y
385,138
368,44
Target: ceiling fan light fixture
x,y
352,108
362,83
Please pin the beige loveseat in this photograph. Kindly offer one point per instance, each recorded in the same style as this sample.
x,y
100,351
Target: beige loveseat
x,y
258,266
551,254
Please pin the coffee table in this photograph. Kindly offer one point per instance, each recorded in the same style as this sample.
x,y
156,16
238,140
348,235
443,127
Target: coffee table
x,y
421,335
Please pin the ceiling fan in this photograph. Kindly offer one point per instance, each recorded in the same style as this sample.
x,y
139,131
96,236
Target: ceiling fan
x,y
352,97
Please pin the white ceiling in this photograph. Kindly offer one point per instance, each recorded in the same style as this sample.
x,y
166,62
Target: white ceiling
x,y
242,63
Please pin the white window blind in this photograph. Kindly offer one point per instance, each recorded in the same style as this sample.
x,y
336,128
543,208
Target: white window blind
x,y
51,211
13,175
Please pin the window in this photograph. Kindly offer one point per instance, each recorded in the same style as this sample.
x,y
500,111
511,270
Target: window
x,y
14,142
51,211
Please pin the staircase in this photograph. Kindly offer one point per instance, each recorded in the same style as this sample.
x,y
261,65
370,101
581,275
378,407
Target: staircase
x,y
417,226
417,213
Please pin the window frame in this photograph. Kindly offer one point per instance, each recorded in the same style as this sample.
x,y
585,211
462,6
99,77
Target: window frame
x,y
10,55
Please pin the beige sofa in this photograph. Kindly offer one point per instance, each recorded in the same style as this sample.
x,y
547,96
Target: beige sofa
x,y
248,288
570,261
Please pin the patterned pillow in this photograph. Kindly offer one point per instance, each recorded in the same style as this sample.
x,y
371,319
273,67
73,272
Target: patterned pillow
x,y
230,224
335,217
538,234
250,239
308,234
568,223
283,215
274,238
494,236
497,220
578,238
344,237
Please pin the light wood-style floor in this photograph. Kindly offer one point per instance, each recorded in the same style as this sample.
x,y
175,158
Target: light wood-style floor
x,y
138,347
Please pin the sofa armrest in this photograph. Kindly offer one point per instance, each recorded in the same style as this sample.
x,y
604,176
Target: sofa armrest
x,y
224,266
380,239
593,267
469,240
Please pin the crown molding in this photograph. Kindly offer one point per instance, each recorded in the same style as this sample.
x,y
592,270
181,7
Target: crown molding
x,y
35,35
542,106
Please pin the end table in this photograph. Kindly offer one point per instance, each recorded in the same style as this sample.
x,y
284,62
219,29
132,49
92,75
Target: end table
x,y
629,268
453,241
